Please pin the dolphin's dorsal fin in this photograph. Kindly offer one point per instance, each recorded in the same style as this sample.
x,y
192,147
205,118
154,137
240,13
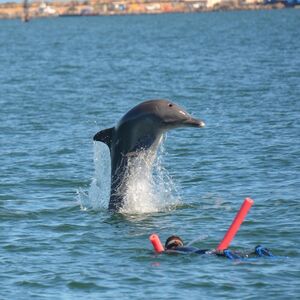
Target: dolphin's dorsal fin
x,y
105,136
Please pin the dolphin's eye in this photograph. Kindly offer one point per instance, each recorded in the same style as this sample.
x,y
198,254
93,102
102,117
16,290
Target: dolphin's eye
x,y
170,105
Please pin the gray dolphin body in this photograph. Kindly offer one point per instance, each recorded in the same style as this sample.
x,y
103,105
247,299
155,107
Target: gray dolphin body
x,y
139,131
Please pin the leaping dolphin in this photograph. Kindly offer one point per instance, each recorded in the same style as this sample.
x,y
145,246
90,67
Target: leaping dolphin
x,y
139,131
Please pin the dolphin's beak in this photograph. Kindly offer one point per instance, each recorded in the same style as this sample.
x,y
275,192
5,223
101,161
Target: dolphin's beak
x,y
191,122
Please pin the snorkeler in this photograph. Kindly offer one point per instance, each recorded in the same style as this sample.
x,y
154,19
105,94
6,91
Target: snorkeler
x,y
174,244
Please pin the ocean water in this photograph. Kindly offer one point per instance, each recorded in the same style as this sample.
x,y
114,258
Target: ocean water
x,y
62,80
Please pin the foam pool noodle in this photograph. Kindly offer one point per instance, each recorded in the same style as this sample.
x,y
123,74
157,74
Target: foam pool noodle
x,y
157,245
234,227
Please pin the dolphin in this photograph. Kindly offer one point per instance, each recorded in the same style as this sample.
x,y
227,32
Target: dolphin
x,y
139,132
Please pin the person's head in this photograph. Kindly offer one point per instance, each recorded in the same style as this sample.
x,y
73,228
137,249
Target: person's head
x,y
173,242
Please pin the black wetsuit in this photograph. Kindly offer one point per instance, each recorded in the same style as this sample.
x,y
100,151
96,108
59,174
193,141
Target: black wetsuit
x,y
188,250
259,251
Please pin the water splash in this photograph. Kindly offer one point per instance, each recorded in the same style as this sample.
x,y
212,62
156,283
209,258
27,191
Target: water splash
x,y
149,187
97,196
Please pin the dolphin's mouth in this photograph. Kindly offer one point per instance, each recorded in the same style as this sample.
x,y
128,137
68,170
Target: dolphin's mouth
x,y
191,122
188,122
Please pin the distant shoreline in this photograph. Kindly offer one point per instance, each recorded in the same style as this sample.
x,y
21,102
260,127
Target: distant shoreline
x,y
93,8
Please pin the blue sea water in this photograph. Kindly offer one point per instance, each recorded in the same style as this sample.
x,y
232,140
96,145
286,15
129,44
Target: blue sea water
x,y
64,79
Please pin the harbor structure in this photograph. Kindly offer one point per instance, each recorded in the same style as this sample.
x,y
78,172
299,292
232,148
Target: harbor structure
x,y
40,8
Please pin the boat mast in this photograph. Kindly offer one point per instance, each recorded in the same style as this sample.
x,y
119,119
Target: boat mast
x,y
25,11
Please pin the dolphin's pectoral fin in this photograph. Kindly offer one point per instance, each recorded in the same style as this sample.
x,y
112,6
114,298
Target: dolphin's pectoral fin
x,y
105,136
132,154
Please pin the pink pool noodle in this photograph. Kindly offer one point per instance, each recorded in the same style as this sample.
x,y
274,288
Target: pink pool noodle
x,y
233,229
154,239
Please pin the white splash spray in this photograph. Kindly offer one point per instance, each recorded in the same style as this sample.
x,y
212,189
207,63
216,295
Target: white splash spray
x,y
98,193
149,187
